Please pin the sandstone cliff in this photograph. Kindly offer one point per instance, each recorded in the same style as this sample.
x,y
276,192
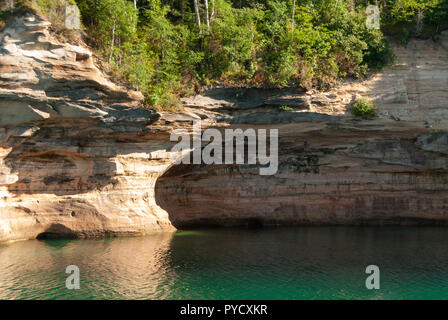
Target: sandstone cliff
x,y
81,157
334,169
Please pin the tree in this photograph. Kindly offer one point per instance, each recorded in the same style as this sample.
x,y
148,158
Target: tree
x,y
258,42
412,10
196,10
293,14
206,15
115,21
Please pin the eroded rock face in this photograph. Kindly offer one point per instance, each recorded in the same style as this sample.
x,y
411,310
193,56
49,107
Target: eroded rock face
x,y
352,173
79,156
44,79
333,169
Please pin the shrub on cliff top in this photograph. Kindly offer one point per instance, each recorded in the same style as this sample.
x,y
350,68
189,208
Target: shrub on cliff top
x,y
364,108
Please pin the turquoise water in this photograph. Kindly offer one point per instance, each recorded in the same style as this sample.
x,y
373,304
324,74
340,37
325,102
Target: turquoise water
x,y
299,263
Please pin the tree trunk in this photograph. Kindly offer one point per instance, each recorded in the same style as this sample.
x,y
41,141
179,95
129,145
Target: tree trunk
x,y
112,42
293,14
213,10
420,18
135,4
196,10
207,20
183,10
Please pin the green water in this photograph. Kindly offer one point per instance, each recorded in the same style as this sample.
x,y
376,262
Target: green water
x,y
299,263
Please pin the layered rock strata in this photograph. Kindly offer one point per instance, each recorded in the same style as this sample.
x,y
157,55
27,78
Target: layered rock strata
x,y
333,168
81,157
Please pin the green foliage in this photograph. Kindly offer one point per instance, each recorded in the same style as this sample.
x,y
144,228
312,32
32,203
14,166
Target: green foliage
x,y
404,35
114,22
364,108
328,42
421,17
407,10
230,46
286,108
3,15
159,48
438,15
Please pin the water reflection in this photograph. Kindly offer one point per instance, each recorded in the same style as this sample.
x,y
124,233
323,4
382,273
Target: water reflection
x,y
299,263
111,268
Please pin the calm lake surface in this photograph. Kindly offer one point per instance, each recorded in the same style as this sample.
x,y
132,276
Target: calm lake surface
x,y
298,263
